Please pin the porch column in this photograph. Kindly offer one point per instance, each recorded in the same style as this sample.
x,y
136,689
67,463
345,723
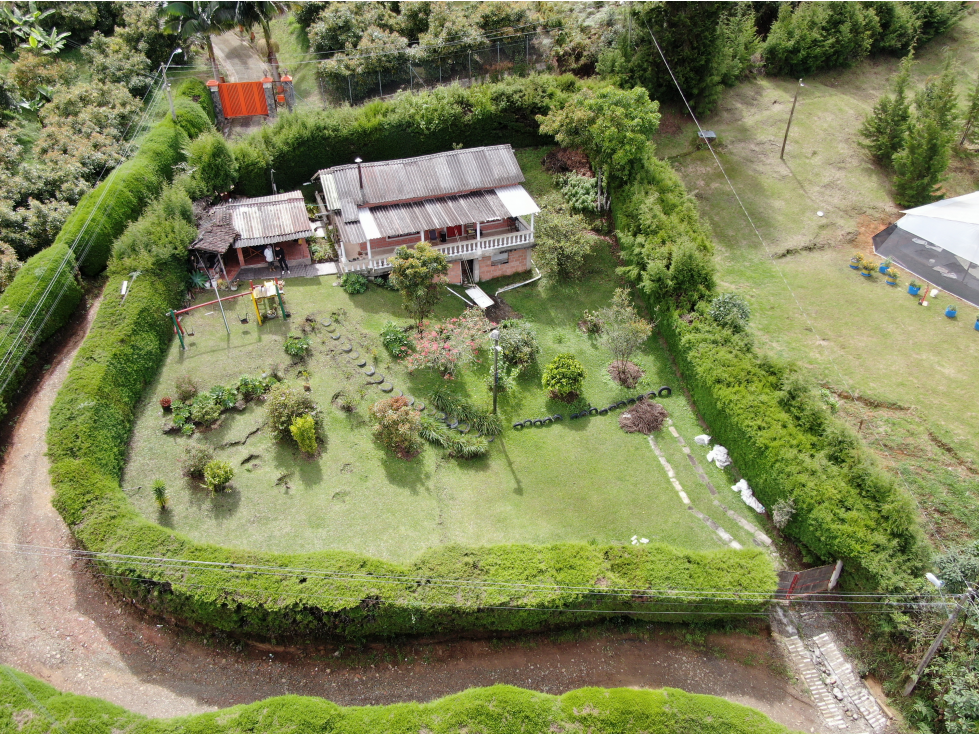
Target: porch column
x,y
479,232
241,258
531,225
369,255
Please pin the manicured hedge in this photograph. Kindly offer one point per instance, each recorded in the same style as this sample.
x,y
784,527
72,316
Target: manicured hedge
x,y
196,91
298,145
485,710
846,507
90,427
46,284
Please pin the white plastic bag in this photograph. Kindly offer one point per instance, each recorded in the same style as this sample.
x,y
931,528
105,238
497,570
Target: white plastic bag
x,y
702,440
748,496
719,456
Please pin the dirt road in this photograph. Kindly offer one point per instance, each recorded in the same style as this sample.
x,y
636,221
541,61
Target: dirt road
x,y
58,623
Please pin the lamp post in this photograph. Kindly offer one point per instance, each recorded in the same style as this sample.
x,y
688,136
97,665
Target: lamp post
x,y
166,82
495,336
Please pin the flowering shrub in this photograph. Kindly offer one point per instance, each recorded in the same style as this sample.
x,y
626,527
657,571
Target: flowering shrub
x,y
395,340
396,425
452,344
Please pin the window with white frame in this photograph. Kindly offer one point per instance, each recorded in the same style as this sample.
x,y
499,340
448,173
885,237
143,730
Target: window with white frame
x,y
500,258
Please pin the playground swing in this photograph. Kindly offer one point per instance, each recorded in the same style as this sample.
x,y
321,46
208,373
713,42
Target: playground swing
x,y
266,297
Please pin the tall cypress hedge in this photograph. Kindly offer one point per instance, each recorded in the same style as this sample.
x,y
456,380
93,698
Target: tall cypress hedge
x,y
847,508
494,709
298,145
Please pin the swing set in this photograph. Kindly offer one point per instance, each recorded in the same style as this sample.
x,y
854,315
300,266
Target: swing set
x,y
266,298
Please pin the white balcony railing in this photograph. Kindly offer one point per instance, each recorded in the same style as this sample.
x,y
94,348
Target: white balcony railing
x,y
466,250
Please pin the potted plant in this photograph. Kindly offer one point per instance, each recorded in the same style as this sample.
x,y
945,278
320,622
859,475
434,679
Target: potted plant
x,y
866,268
855,261
950,310
885,266
892,276
914,287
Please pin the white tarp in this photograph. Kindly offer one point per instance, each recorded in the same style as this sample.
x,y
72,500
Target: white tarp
x,y
748,496
517,201
952,224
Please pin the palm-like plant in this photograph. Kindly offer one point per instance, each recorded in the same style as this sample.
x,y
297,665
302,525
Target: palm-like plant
x,y
195,21
249,13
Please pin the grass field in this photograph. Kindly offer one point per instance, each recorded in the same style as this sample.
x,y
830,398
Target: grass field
x,y
856,335
574,481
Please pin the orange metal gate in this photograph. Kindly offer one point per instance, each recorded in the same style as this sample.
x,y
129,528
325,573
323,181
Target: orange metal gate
x,y
243,99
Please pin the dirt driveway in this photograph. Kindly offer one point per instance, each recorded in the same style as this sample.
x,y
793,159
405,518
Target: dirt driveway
x,y
58,623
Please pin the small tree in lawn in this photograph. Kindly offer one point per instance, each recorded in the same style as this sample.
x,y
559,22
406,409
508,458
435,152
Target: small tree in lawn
x,y
396,425
562,246
563,378
303,429
418,273
623,331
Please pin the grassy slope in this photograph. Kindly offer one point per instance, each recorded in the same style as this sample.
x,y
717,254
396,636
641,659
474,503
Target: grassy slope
x,y
292,55
582,480
853,333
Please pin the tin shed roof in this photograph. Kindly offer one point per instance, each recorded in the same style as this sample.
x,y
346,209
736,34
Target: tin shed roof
x,y
423,177
268,219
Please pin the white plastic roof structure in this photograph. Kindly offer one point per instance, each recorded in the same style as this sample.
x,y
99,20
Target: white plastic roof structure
x,y
952,224
517,201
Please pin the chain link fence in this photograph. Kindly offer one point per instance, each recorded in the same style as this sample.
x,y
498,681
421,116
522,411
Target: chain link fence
x,y
388,72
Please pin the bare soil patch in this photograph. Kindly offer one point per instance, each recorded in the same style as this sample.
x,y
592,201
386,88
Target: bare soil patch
x,y
567,160
626,373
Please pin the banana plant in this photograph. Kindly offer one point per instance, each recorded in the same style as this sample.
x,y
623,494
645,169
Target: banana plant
x,y
50,42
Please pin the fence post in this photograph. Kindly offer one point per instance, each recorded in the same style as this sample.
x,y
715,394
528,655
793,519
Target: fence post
x,y
470,66
269,95
411,79
350,90
380,89
289,91
212,85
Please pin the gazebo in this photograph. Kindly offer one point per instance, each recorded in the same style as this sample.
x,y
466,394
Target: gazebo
x,y
246,226
939,243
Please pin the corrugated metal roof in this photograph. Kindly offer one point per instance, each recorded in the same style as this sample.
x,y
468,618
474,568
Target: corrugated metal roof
x,y
427,176
265,220
330,194
447,211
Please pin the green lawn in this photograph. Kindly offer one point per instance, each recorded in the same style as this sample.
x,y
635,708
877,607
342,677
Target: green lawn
x,y
581,481
852,333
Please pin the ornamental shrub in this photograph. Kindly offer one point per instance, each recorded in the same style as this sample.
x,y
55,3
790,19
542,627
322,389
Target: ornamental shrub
x,y
518,343
214,166
303,429
418,274
217,474
196,91
205,409
581,192
284,404
297,346
450,345
160,493
562,247
730,311
563,377
185,388
353,283
396,426
196,458
395,340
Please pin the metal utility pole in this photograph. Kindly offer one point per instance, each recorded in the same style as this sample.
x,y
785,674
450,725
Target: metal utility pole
x,y
214,282
495,336
795,99
964,600
166,82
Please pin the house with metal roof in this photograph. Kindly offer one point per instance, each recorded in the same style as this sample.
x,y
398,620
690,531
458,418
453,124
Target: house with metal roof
x,y
234,234
467,203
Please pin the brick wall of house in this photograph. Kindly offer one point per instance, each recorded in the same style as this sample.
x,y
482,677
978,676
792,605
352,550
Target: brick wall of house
x,y
519,262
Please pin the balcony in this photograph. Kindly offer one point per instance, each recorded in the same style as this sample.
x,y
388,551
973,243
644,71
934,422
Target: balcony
x,y
456,248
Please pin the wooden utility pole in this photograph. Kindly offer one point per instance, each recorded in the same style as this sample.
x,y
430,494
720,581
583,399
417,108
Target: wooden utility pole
x,y
964,600
795,99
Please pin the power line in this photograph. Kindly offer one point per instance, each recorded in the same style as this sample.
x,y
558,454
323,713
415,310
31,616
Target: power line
x,y
785,282
6,360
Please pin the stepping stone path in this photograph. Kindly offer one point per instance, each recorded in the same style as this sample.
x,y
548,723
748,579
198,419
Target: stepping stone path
x,y
387,387
335,337
354,355
420,407
370,371
346,348
360,361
